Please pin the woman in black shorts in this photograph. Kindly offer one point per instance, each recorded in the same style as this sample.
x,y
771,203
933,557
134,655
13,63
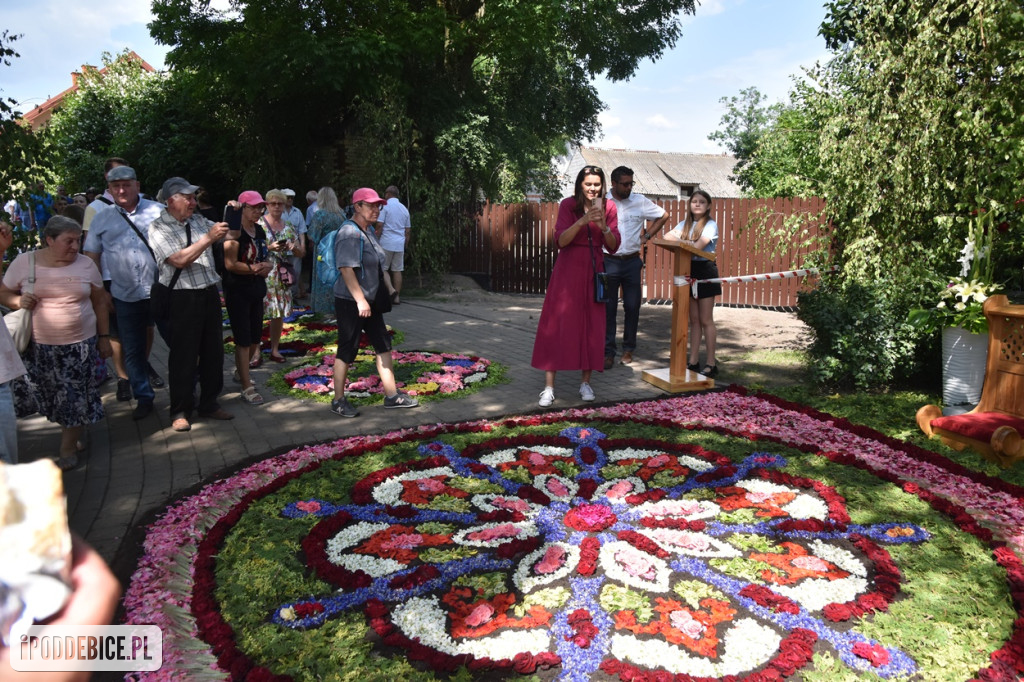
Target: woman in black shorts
x,y
360,300
245,285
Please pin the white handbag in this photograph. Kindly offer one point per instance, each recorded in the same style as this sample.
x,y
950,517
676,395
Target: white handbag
x,y
19,322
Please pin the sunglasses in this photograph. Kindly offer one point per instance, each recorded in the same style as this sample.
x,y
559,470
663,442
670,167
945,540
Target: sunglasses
x,y
593,169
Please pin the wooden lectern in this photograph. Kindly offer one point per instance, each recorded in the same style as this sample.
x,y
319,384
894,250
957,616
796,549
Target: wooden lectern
x,y
676,378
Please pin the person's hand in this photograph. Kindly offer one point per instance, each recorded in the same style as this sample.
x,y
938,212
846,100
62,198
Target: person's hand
x,y
262,269
595,214
218,231
364,308
94,589
104,347
27,301
95,593
6,236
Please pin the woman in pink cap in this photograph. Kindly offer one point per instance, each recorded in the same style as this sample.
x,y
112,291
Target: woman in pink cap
x,y
360,300
245,285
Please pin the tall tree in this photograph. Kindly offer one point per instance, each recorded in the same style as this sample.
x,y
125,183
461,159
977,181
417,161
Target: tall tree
x,y
522,73
450,98
21,153
746,119
921,116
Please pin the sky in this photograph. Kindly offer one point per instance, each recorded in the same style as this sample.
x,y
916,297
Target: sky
x,y
670,105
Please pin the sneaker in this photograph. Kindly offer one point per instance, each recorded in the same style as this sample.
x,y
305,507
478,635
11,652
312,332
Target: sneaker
x,y
155,380
547,396
344,408
400,400
586,392
250,396
124,390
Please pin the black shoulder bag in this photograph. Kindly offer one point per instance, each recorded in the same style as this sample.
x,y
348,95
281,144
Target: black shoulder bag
x,y
159,294
601,288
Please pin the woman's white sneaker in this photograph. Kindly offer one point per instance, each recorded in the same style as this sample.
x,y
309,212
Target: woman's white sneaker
x,y
547,396
586,392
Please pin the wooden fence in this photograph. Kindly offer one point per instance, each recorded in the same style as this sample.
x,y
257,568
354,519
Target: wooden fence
x,y
511,246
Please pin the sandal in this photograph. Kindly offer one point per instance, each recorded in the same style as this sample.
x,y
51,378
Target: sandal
x,y
257,363
693,368
66,462
250,396
710,371
277,358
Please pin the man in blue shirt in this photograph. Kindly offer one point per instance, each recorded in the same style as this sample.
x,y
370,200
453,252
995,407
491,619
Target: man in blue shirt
x,y
119,239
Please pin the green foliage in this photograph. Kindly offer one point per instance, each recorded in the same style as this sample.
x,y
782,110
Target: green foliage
x,y
694,591
912,126
22,154
926,118
861,337
449,101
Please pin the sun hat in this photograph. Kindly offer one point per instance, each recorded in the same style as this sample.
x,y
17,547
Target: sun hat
x,y
366,195
250,197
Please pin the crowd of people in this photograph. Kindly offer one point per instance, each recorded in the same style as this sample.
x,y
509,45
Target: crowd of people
x,y
164,264
116,266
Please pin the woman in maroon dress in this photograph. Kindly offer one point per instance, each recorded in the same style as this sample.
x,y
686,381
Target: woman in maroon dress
x,y
570,334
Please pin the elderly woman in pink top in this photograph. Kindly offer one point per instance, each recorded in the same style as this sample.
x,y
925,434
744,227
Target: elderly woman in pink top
x,y
69,327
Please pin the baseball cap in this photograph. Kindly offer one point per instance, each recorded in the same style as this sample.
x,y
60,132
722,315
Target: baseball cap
x,y
177,185
366,195
288,192
250,198
121,173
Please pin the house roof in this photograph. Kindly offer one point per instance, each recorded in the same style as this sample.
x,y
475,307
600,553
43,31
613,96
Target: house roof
x,y
666,175
41,113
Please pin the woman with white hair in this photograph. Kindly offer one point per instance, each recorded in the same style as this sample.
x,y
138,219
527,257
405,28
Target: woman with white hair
x,y
283,243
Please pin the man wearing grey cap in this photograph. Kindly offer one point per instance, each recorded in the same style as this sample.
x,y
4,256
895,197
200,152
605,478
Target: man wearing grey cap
x,y
118,242
181,241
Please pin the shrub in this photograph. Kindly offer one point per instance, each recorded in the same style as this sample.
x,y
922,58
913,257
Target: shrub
x,y
861,338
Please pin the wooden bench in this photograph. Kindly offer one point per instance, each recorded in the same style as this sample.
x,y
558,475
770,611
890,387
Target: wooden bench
x,y
994,427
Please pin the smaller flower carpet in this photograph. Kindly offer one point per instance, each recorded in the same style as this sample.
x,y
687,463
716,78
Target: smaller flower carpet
x,y
424,374
718,536
306,335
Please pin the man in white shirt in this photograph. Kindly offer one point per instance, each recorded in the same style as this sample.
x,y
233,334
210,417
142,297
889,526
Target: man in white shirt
x,y
393,234
118,242
625,267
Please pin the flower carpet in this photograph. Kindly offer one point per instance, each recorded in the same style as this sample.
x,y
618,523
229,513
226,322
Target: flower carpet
x,y
305,335
716,536
424,374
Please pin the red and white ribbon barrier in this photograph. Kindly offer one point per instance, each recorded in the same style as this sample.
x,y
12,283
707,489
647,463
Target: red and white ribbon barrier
x,y
804,272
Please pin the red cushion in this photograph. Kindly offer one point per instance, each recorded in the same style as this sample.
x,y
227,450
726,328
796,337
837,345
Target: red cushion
x,y
979,426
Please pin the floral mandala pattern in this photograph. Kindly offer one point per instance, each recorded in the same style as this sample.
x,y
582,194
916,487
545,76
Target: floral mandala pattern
x,y
582,544
418,373
592,554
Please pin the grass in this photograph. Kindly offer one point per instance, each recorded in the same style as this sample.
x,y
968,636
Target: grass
x,y
784,374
